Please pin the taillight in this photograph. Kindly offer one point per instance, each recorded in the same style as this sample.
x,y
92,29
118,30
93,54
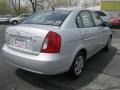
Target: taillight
x,y
52,43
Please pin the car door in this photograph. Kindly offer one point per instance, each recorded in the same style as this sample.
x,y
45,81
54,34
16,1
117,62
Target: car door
x,y
87,31
101,30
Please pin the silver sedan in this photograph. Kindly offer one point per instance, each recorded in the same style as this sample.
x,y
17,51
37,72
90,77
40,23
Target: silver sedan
x,y
56,41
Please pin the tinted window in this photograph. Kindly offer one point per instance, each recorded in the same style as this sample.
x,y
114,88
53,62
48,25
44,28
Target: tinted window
x,y
48,17
86,19
100,13
23,16
97,19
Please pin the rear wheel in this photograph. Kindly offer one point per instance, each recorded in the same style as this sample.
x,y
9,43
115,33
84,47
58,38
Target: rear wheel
x,y
108,45
77,66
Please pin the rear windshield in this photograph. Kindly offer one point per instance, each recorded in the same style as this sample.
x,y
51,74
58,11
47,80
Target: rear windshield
x,y
48,17
100,13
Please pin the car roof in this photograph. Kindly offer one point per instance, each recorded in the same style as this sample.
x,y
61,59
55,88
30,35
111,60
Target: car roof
x,y
70,8
99,11
108,14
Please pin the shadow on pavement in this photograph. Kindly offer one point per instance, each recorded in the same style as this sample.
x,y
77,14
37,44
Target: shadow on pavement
x,y
93,68
115,27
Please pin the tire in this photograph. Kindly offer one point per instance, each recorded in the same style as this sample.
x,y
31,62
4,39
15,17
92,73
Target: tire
x,y
77,66
15,22
108,45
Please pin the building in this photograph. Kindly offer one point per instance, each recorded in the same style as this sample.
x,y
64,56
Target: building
x,y
111,6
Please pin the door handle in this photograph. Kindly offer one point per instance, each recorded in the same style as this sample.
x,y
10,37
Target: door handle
x,y
90,38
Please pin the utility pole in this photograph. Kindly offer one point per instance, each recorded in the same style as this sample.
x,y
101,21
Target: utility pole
x,y
9,6
59,3
66,3
15,3
19,7
69,2
35,5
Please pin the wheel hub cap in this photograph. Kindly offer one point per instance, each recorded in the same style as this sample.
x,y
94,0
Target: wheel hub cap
x,y
79,65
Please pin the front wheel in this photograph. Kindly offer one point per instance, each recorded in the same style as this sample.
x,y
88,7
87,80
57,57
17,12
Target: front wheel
x,y
15,22
77,66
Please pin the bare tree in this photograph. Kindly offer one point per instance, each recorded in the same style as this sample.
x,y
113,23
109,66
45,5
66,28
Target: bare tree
x,y
14,5
34,5
43,4
40,4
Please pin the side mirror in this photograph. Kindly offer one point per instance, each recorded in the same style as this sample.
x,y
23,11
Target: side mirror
x,y
106,24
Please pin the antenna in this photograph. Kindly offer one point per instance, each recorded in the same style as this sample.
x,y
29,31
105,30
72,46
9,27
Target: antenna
x,y
53,8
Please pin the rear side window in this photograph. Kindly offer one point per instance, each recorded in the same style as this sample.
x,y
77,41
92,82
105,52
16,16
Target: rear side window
x,y
97,19
100,13
86,19
48,17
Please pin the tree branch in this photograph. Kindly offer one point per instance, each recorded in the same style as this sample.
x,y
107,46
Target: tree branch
x,y
14,6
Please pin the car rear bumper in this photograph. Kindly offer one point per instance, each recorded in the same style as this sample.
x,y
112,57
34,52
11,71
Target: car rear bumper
x,y
43,64
4,21
115,23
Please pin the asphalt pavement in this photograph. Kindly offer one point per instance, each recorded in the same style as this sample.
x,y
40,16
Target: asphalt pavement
x,y
102,72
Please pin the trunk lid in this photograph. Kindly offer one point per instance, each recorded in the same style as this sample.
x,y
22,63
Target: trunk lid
x,y
27,38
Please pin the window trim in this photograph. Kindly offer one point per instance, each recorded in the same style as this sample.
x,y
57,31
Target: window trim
x,y
82,21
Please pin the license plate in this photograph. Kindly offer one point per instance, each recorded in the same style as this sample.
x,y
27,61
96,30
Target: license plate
x,y
19,43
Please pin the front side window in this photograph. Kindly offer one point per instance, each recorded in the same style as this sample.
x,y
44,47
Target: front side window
x,y
86,19
24,15
48,17
97,19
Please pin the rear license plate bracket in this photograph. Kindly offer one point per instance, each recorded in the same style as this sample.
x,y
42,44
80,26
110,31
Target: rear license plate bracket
x,y
19,43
